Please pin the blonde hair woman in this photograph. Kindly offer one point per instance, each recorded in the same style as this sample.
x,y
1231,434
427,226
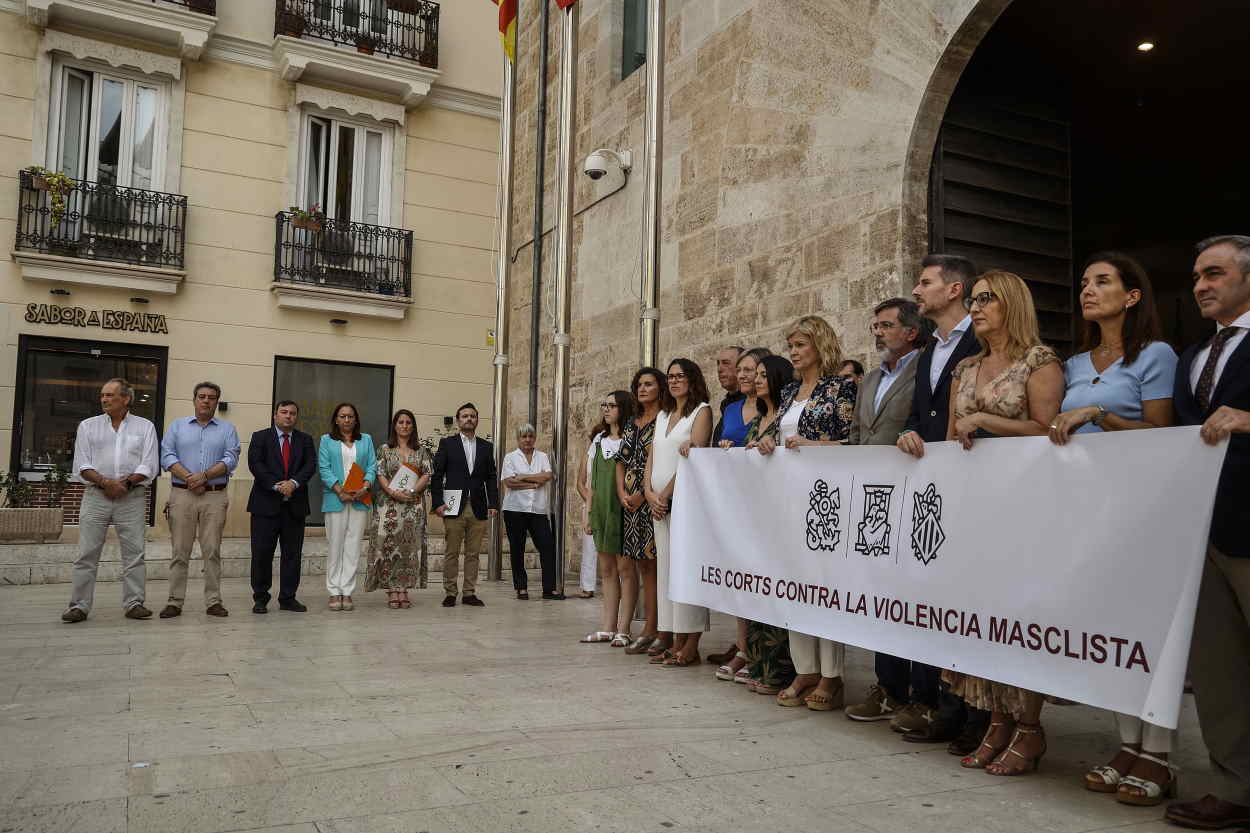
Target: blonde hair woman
x,y
1012,388
815,409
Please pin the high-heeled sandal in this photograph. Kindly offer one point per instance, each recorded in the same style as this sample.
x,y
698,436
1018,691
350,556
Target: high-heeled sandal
x,y
978,761
726,672
1142,792
1031,762
404,601
392,599
795,695
1106,778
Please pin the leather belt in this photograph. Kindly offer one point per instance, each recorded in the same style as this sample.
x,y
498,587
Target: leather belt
x,y
207,488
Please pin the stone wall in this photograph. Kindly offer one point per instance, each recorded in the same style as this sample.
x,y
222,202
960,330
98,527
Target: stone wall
x,y
796,136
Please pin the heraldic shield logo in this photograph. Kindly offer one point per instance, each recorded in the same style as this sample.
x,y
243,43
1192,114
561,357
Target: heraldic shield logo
x,y
927,535
822,517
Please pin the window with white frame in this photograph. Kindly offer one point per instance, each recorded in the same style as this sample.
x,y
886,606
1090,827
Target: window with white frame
x,y
342,165
108,126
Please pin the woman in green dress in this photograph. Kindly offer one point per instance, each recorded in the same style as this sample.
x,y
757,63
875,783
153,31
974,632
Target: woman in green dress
x,y
768,668
604,520
397,550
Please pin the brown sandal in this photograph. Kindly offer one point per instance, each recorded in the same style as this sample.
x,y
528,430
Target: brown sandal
x,y
657,648
793,696
978,761
1030,762
678,661
661,658
392,599
404,601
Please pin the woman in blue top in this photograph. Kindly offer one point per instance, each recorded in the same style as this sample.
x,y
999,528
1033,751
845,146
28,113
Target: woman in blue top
x,y
1122,382
345,513
738,415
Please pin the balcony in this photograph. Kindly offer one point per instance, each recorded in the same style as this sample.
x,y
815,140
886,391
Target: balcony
x,y
381,46
182,25
100,235
342,267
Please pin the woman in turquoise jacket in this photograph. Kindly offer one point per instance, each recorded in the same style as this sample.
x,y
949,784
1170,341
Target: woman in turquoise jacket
x,y
346,514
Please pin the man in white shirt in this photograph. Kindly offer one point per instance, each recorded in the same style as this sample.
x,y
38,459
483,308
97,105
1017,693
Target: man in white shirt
x,y
527,475
117,454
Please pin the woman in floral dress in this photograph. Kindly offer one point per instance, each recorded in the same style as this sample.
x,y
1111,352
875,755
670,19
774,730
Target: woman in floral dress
x,y
638,535
397,551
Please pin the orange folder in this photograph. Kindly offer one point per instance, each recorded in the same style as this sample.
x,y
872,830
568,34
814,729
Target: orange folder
x,y
356,480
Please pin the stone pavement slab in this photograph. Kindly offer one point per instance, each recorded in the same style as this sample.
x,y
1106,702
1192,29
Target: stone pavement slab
x,y
490,719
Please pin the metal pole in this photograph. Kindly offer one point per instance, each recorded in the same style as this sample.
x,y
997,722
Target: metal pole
x,y
503,258
540,168
653,190
564,270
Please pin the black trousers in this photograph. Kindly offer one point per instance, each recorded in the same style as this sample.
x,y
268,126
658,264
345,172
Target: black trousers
x,y
538,527
286,528
907,681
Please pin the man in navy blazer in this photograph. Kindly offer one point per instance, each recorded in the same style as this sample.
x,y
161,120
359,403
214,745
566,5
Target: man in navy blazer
x,y
934,715
465,462
1213,390
282,461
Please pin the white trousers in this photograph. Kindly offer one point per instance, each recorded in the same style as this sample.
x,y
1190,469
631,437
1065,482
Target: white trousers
x,y
1134,730
344,530
812,654
590,564
674,617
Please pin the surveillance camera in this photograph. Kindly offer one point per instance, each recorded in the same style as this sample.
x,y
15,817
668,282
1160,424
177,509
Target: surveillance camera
x,y
603,161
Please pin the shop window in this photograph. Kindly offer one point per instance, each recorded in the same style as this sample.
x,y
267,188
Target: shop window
x,y
320,385
108,127
634,37
342,169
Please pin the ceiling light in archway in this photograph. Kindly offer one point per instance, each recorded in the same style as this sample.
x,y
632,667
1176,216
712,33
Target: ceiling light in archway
x,y
1145,46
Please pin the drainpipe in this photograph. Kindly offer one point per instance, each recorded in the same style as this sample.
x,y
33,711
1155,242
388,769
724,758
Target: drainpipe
x,y
503,248
564,269
540,173
653,191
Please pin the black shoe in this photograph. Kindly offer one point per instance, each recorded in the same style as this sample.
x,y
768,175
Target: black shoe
x,y
73,615
138,612
935,732
449,601
473,601
554,597
171,611
259,608
295,606
523,595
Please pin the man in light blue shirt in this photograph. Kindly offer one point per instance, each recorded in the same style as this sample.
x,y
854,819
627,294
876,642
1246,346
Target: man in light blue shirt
x,y
200,453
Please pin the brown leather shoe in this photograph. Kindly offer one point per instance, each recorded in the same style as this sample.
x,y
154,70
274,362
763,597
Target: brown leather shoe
x,y
138,612
74,614
1208,813
170,611
217,610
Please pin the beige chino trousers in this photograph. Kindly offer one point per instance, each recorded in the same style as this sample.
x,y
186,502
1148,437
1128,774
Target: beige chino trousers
x,y
194,518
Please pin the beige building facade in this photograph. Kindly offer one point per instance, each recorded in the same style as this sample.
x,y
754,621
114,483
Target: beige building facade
x,y
178,135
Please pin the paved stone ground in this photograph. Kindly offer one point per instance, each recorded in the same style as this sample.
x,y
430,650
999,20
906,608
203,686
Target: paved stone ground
x,y
494,719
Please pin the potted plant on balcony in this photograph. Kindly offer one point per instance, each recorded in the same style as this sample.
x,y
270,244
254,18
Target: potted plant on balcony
x,y
20,519
56,184
290,20
309,220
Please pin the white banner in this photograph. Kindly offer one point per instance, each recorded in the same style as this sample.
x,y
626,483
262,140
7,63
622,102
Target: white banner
x,y
1071,570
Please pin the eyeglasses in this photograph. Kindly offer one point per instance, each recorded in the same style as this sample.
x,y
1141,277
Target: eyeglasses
x,y
877,327
981,299
608,405
677,377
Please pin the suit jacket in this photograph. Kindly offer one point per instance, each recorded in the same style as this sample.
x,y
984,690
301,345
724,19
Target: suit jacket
x,y
451,471
330,467
1229,533
930,407
872,426
264,461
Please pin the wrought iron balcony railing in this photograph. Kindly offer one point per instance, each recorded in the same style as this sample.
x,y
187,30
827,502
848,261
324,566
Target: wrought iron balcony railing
x,y
395,28
101,222
343,255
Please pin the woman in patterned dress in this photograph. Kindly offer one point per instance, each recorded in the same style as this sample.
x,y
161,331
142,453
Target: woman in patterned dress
x,y
397,551
815,409
631,467
1012,388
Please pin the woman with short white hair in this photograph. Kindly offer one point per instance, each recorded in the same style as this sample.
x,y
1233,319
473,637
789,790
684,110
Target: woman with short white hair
x,y
526,475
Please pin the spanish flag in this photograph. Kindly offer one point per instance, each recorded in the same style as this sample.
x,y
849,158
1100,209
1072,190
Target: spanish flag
x,y
507,25
564,4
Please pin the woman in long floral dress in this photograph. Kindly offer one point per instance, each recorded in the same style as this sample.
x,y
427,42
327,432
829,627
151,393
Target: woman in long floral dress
x,y
397,550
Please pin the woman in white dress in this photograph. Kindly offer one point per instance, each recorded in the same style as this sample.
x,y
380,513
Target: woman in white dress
x,y
685,421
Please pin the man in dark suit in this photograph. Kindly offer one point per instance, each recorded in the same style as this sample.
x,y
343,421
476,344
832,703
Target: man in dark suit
x,y
1213,390
282,461
467,463
945,282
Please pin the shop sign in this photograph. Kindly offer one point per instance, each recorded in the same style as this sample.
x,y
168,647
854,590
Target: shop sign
x,y
108,319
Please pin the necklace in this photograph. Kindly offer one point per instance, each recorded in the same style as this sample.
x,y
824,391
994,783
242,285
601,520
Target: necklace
x,y
1107,349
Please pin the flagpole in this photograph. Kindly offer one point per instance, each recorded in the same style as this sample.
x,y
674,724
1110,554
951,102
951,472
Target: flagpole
x,y
564,269
653,187
503,259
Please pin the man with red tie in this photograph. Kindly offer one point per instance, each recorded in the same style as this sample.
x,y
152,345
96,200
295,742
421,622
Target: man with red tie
x,y
282,461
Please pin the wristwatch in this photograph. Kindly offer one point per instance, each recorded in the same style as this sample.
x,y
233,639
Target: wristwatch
x,y
1100,416
128,483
